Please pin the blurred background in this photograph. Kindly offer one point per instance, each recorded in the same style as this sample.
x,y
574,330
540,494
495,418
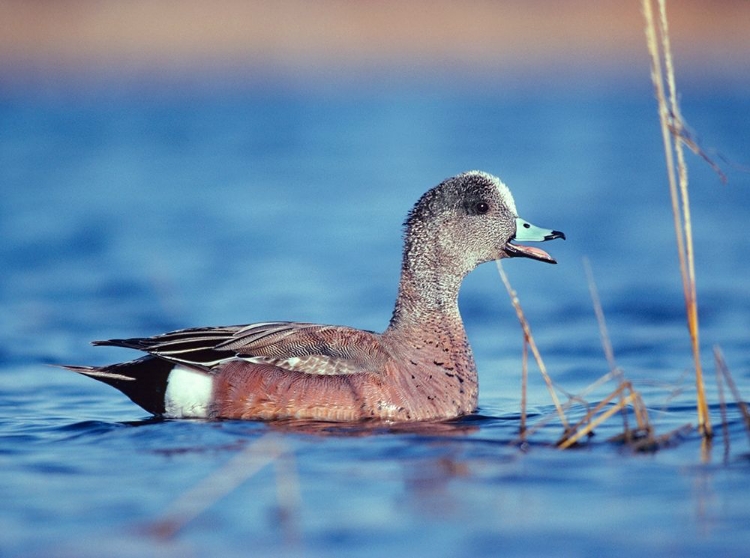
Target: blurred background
x,y
168,164
535,43
143,142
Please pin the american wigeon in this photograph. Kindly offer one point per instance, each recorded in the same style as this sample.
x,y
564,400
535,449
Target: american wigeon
x,y
421,367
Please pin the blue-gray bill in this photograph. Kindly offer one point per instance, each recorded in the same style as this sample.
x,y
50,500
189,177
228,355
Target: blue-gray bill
x,y
527,232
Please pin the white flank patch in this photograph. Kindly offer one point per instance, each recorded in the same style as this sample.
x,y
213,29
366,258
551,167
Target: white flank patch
x,y
188,394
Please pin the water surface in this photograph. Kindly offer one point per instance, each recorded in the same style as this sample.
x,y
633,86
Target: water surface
x,y
129,213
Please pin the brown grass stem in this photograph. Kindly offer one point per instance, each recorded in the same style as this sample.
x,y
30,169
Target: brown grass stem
x,y
572,398
599,312
618,392
532,344
524,385
589,426
721,366
609,352
672,128
722,407
639,410
641,413
604,378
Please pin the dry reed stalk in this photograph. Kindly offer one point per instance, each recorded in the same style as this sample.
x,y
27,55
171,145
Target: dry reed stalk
x,y
591,422
524,385
603,379
532,344
572,398
721,365
673,133
641,413
572,435
618,392
586,424
531,430
604,334
205,494
722,407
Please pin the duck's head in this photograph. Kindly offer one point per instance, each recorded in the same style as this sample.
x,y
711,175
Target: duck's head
x,y
472,218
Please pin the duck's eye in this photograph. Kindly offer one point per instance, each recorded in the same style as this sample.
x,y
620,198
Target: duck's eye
x,y
482,208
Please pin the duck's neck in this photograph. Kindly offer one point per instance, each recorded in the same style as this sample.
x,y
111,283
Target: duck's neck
x,y
427,292
427,318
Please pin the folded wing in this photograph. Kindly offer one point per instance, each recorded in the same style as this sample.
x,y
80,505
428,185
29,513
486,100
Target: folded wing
x,y
300,347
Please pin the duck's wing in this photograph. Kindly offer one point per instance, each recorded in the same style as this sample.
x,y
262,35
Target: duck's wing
x,y
301,347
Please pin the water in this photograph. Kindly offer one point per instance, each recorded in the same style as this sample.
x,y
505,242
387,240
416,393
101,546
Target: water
x,y
129,213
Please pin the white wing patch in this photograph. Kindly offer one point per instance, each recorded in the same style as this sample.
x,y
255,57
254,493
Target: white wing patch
x,y
188,394
312,364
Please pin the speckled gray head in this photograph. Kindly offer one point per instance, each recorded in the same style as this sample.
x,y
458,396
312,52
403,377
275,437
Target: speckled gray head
x,y
472,217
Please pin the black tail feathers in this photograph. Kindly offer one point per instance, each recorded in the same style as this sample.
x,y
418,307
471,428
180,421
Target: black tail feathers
x,y
144,380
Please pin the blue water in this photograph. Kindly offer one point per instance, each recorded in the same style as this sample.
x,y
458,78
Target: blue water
x,y
132,212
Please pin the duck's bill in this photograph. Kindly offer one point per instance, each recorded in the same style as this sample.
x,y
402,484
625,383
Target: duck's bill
x,y
525,231
519,251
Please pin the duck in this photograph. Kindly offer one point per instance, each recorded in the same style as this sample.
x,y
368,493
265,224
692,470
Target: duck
x,y
421,368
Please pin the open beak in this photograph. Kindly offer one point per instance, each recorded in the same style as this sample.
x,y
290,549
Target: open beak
x,y
525,231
